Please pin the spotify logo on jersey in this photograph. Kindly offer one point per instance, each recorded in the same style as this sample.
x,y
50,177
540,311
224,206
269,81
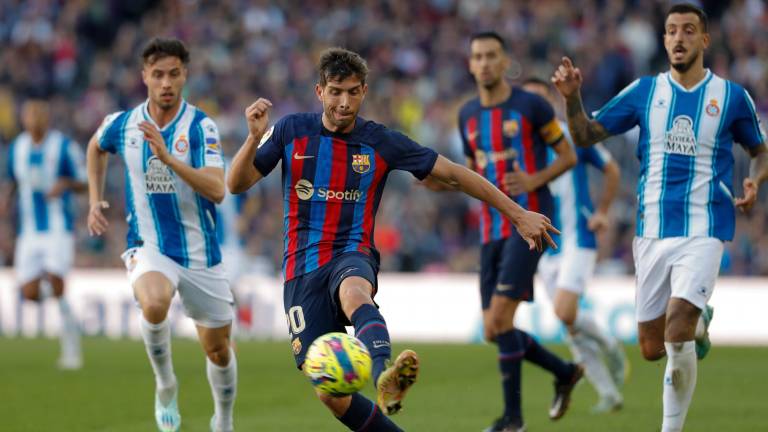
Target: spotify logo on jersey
x,y
304,189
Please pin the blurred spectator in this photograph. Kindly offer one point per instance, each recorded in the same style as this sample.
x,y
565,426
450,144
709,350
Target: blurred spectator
x,y
85,55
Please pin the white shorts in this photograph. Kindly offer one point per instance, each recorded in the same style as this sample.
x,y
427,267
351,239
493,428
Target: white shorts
x,y
233,259
569,270
204,293
37,254
680,267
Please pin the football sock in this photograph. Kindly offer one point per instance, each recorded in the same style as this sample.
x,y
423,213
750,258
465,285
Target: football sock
x,y
539,355
586,325
223,381
511,352
70,333
587,352
371,329
157,340
364,415
679,383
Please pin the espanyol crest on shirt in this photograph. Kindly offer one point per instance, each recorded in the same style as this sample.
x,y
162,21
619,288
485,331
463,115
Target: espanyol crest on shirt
x,y
361,163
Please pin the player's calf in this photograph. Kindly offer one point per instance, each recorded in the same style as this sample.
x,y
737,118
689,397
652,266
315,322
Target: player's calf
x,y
358,413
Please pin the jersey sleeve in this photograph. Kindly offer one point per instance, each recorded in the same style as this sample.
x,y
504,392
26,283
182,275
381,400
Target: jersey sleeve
x,y
108,134
596,155
402,153
620,114
9,162
271,148
544,121
746,127
463,135
72,162
212,156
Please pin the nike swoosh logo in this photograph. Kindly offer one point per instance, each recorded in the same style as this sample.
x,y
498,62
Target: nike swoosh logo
x,y
300,157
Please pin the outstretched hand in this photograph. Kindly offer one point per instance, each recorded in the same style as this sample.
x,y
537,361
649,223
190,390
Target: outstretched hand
x,y
567,78
534,228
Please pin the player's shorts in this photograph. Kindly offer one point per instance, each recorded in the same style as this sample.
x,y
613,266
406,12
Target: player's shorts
x,y
681,267
507,268
37,254
311,300
204,293
568,270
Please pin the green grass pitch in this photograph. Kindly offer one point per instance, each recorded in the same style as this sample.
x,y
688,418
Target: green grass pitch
x,y
458,390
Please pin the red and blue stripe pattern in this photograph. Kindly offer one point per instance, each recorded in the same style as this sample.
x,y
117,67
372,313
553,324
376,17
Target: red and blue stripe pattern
x,y
337,214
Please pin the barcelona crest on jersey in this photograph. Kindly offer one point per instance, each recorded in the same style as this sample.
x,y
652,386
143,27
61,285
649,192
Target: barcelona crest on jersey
x,y
361,163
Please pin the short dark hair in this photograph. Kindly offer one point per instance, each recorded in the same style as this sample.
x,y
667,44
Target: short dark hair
x,y
159,48
684,8
339,64
537,81
488,35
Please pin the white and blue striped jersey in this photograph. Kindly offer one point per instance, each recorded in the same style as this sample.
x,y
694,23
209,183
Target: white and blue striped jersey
x,y
229,212
163,211
685,151
573,205
35,168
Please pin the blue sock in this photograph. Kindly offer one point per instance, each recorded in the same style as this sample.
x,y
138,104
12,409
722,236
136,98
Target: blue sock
x,y
371,329
364,415
539,355
511,352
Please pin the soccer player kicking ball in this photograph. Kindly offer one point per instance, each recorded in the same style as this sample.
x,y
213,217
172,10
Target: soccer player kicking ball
x,y
46,167
174,175
689,119
335,165
566,271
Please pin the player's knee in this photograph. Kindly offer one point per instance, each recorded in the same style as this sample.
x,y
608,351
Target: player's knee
x,y
31,291
336,405
218,354
499,323
566,314
155,311
652,350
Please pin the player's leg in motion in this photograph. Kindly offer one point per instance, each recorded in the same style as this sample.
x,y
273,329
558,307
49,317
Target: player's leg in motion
x,y
71,353
221,366
392,381
588,343
154,292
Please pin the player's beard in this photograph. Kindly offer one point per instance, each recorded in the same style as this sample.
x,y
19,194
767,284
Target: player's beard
x,y
684,66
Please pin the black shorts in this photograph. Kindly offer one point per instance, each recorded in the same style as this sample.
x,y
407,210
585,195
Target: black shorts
x,y
507,268
311,300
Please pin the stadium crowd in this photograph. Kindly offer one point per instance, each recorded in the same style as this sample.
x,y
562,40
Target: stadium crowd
x,y
83,55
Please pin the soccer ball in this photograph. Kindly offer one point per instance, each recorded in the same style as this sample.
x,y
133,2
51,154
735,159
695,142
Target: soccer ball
x,y
338,364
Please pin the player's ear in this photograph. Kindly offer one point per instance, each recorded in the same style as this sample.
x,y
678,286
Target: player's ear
x,y
144,74
705,40
319,92
364,90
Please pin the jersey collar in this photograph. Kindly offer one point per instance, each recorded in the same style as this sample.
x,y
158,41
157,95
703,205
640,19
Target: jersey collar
x,y
703,82
147,117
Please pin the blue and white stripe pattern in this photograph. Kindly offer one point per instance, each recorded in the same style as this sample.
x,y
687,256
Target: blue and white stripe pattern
x,y
163,211
573,205
35,168
686,139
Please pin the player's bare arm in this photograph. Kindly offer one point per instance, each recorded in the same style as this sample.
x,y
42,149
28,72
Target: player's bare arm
x,y
533,227
519,181
585,132
434,184
611,181
242,173
207,181
758,173
96,166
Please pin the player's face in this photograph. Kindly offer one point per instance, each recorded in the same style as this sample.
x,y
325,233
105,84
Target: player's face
x,y
341,101
34,116
165,79
487,62
684,40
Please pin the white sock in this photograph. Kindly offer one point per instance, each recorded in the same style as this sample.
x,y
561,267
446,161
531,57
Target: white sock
x,y
157,341
679,383
700,328
223,381
585,324
70,331
587,352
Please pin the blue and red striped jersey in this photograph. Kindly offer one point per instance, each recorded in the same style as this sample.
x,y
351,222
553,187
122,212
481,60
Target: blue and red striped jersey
x,y
332,184
519,129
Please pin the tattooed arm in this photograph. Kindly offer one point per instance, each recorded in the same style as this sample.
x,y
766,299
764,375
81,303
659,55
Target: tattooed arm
x,y
585,132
